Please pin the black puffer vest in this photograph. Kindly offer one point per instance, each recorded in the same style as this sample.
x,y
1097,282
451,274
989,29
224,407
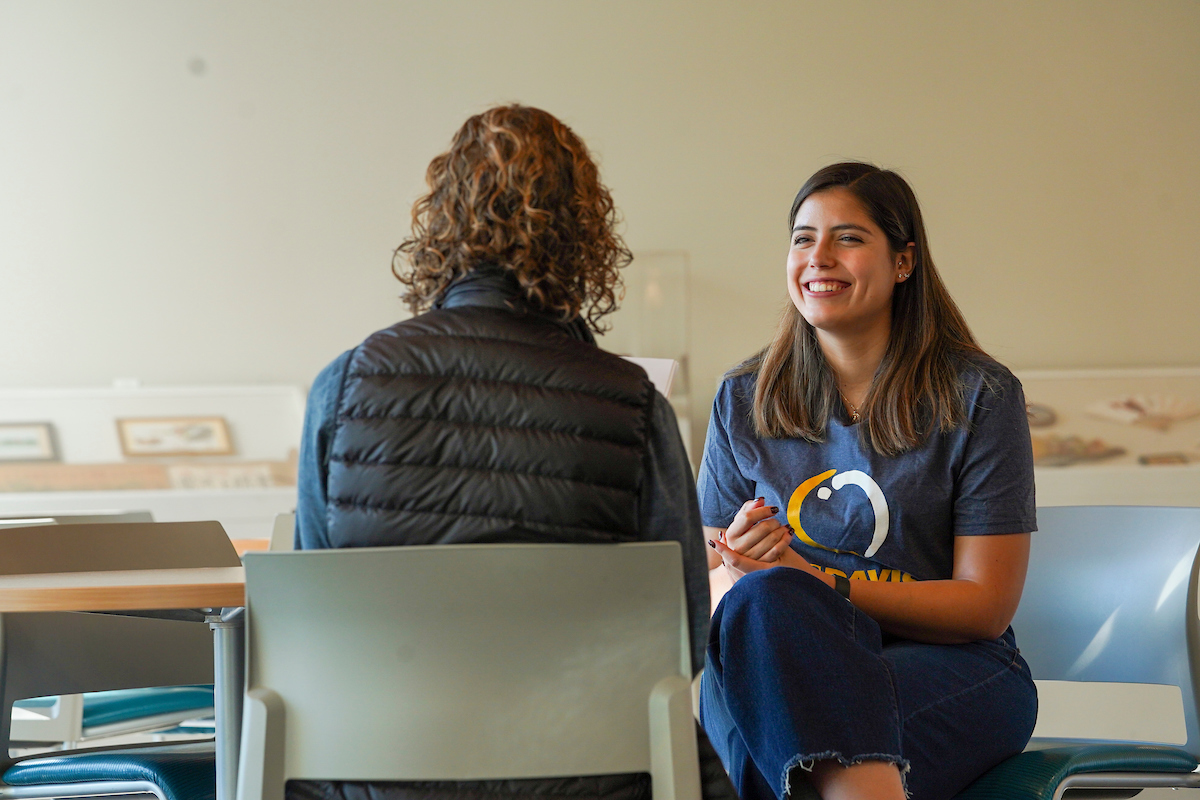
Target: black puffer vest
x,y
477,423
481,422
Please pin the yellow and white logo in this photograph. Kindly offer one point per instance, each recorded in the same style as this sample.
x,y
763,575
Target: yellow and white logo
x,y
852,477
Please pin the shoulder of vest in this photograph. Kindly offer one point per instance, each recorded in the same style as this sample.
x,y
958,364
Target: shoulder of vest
x,y
456,341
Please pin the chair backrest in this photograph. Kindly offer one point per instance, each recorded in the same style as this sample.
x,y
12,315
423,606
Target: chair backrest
x,y
1108,624
96,546
283,532
67,517
459,662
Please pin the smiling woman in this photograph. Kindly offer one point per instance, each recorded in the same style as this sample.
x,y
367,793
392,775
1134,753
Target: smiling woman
x,y
891,465
862,283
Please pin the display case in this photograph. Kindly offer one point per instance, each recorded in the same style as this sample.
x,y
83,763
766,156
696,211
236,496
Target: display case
x,y
1115,437
652,322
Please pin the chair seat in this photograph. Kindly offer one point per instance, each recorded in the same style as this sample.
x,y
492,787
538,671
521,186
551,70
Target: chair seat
x,y
1035,774
183,772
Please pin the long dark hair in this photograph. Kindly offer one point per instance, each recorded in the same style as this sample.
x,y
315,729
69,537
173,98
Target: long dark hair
x,y
918,385
518,189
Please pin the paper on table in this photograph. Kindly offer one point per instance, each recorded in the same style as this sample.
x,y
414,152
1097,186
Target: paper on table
x,y
661,371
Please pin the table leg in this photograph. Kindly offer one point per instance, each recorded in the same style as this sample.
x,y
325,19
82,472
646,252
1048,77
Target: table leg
x,y
228,686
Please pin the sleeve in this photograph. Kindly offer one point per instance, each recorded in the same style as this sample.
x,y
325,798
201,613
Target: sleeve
x,y
721,486
320,418
669,513
995,492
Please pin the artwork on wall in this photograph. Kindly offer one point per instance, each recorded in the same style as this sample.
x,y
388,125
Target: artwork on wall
x,y
175,436
1040,416
27,441
1114,417
1156,411
1053,450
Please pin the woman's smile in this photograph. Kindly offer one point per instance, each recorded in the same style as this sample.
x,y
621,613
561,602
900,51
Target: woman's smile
x,y
825,287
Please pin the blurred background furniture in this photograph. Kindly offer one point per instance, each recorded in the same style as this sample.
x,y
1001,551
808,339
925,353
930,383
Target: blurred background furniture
x,y
652,322
283,532
1172,478
115,567
68,720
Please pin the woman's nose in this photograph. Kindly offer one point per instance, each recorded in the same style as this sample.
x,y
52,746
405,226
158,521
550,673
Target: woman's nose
x,y
821,254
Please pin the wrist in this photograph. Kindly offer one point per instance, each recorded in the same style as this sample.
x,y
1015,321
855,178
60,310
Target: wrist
x,y
826,577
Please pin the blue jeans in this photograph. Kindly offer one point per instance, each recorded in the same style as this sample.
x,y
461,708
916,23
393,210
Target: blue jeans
x,y
795,674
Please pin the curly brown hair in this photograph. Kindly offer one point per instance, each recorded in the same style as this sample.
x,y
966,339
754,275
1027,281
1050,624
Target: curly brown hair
x,y
517,188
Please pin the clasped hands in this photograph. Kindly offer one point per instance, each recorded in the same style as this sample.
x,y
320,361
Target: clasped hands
x,y
756,540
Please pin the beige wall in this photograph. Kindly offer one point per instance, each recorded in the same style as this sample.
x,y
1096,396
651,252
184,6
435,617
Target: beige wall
x,y
232,221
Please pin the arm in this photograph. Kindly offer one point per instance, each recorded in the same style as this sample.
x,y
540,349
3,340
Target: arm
x,y
320,415
722,489
993,495
754,532
669,512
978,602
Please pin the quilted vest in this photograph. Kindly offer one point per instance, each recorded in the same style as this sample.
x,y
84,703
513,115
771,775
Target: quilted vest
x,y
481,424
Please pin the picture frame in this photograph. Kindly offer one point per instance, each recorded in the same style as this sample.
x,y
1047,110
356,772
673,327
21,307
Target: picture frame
x,y
174,436
27,441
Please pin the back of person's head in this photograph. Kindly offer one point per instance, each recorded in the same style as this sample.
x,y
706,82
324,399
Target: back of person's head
x,y
519,190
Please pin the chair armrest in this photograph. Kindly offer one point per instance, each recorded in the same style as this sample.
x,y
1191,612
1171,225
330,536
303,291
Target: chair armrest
x,y
260,774
674,761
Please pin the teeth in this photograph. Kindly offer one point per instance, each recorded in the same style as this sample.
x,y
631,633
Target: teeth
x,y
824,286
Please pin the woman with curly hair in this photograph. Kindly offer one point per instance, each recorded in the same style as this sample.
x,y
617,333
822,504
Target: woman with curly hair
x,y
491,415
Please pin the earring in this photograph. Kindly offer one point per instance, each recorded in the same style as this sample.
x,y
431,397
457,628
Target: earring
x,y
904,275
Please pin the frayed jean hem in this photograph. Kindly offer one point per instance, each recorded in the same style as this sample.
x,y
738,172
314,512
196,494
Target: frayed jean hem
x,y
807,762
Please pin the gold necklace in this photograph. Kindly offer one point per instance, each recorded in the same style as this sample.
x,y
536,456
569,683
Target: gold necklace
x,y
854,416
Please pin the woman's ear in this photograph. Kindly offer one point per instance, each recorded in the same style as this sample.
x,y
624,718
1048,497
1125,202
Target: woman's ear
x,y
904,262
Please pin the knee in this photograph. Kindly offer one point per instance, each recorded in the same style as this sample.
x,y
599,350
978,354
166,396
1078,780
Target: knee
x,y
749,592
768,592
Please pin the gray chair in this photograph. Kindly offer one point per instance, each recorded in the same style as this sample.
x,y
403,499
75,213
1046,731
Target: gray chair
x,y
467,662
1109,626
82,517
46,653
283,532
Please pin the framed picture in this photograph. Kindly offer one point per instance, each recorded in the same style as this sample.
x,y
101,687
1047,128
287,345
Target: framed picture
x,y
27,441
175,436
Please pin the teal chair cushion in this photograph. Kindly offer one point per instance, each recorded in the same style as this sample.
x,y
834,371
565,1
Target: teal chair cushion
x,y
37,702
1034,775
122,705
183,772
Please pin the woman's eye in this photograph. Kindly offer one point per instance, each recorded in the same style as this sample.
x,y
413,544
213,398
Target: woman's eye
x,y
848,238
800,240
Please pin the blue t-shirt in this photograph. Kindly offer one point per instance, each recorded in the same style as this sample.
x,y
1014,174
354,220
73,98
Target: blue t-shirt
x,y
870,516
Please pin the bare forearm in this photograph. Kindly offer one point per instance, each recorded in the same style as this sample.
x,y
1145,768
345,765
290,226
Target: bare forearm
x,y
939,612
978,602
714,560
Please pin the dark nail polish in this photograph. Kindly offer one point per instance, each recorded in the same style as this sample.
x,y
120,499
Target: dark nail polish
x,y
774,509
712,544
